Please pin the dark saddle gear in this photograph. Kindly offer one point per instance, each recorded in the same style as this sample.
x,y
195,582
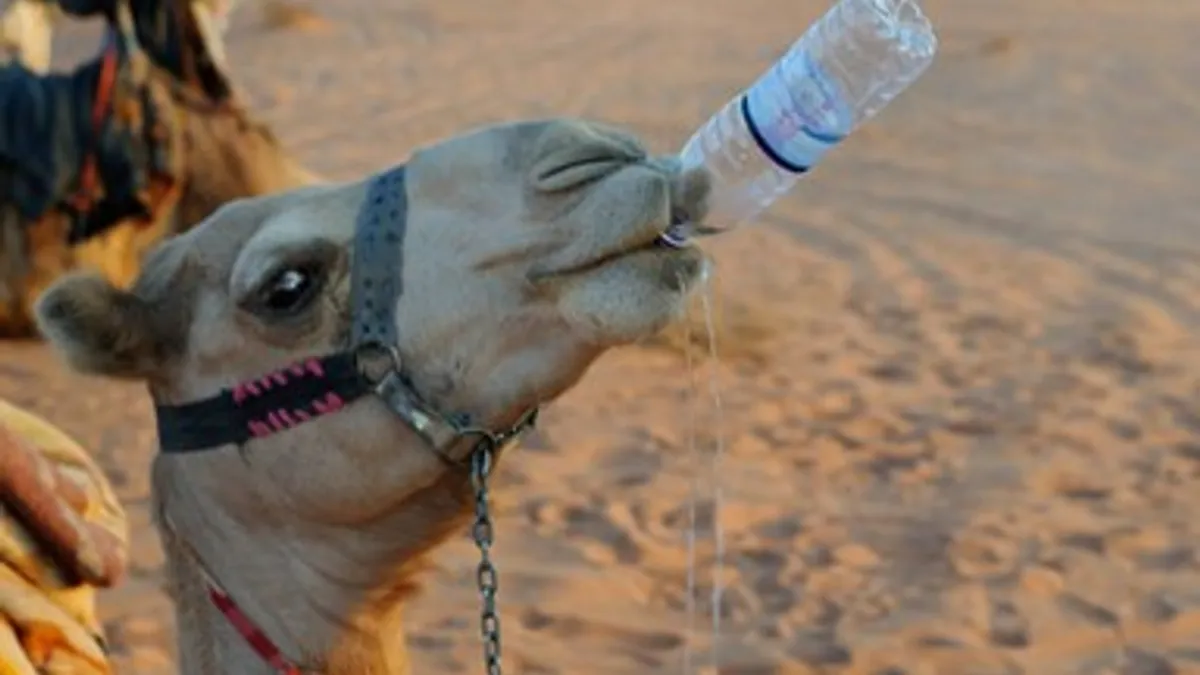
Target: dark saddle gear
x,y
85,143
52,129
167,33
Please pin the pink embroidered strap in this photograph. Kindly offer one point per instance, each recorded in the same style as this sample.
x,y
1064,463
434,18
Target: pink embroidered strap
x,y
271,403
257,640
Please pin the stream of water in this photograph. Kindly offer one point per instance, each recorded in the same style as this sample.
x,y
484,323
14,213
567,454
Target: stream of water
x,y
714,466
717,459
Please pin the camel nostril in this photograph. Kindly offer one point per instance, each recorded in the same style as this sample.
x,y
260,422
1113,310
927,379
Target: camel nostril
x,y
559,174
573,155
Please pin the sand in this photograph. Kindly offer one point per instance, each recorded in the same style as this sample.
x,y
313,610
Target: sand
x,y
961,381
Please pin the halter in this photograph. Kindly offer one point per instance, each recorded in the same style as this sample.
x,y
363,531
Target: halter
x,y
314,387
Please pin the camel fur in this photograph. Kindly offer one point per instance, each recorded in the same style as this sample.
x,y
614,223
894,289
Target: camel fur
x,y
529,252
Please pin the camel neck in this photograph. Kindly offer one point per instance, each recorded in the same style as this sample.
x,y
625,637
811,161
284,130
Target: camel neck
x,y
220,632
258,610
328,594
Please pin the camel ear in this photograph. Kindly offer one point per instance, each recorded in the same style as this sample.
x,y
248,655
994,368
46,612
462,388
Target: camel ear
x,y
101,329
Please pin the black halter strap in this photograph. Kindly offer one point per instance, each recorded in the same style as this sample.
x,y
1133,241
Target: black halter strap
x,y
260,407
284,398
379,260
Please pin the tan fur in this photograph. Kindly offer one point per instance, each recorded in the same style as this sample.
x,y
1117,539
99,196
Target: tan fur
x,y
528,253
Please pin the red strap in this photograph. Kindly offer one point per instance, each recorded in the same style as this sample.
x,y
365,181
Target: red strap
x,y
104,90
257,640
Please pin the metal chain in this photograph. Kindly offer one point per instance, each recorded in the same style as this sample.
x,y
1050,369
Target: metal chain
x,y
485,574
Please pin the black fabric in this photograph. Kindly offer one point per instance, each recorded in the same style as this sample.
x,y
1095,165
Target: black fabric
x,y
219,420
44,134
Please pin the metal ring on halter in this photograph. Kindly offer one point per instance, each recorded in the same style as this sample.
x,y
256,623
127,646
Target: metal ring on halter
x,y
499,438
496,440
370,354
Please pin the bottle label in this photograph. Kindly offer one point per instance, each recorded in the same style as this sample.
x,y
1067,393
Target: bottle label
x,y
796,112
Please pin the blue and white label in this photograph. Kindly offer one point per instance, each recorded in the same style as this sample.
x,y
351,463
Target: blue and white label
x,y
796,112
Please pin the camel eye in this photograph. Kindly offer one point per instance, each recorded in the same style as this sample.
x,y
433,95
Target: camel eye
x,y
289,291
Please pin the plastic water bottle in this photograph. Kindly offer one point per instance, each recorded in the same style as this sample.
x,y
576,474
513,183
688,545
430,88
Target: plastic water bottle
x,y
841,72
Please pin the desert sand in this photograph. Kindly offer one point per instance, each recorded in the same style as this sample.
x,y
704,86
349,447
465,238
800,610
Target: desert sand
x,y
959,373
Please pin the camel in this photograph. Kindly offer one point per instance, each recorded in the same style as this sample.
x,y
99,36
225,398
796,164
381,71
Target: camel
x,y
332,368
208,150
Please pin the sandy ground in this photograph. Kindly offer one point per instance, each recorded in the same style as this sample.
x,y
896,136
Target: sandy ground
x,y
961,382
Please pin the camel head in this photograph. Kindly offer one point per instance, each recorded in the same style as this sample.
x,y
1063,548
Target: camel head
x,y
527,251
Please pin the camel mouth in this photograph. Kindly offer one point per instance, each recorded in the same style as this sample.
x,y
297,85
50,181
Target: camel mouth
x,y
659,245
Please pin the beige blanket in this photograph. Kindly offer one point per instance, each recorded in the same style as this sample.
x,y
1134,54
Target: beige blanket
x,y
63,534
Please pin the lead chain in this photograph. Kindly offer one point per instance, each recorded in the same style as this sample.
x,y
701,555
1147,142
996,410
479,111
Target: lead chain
x,y
485,574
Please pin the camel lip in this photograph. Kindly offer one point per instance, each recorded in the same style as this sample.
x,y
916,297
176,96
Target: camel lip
x,y
658,243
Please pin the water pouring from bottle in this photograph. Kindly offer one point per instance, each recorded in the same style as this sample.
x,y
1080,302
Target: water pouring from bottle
x,y
850,64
